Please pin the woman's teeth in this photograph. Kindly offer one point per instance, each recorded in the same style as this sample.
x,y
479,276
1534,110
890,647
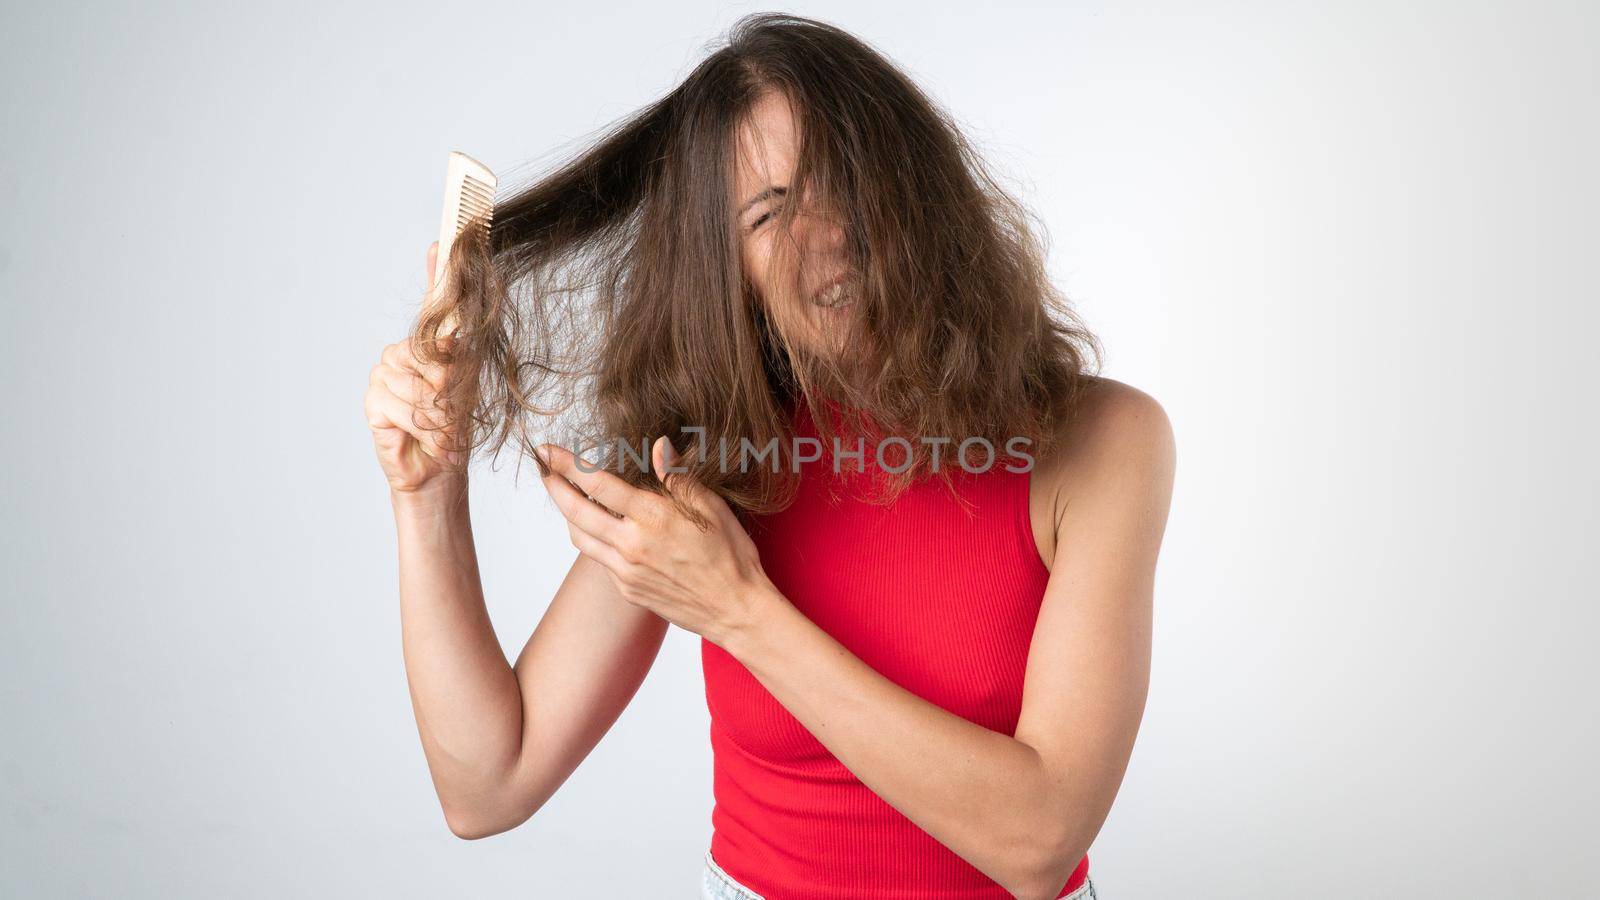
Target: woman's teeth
x,y
841,294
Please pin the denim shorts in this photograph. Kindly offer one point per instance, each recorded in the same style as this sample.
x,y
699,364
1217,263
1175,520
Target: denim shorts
x,y
716,884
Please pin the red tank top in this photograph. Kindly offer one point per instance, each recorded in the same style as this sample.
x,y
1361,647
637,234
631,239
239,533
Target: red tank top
x,y
940,603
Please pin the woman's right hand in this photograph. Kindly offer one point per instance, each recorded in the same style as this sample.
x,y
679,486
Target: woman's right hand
x,y
401,408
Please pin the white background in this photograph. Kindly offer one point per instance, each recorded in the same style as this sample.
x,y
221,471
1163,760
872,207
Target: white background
x,y
1349,247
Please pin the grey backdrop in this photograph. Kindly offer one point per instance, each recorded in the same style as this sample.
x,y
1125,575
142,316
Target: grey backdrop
x,y
1349,246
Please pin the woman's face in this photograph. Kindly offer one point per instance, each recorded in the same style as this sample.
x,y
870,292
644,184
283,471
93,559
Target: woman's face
x,y
790,271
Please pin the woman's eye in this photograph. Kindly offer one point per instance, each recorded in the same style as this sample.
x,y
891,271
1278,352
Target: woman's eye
x,y
759,219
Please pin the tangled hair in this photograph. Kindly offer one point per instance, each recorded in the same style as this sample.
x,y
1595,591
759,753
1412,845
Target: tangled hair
x,y
611,291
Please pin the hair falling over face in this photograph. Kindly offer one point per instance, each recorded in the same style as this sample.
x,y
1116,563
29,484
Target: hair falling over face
x,y
634,291
803,257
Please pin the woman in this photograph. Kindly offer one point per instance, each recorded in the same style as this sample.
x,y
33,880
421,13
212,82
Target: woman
x,y
925,673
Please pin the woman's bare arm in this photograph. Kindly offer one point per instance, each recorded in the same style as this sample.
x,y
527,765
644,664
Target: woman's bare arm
x,y
1021,808
501,739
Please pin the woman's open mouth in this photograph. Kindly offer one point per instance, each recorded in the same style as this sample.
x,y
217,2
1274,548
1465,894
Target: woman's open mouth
x,y
836,296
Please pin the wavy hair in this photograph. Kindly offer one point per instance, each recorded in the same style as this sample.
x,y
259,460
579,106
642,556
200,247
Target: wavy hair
x,y
607,302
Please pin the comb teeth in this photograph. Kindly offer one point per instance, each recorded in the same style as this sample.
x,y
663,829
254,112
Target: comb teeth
x,y
477,201
476,192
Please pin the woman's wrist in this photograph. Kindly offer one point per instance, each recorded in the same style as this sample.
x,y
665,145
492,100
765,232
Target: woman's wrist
x,y
442,496
760,611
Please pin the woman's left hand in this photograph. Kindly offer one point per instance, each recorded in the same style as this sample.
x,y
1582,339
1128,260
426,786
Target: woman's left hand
x,y
709,582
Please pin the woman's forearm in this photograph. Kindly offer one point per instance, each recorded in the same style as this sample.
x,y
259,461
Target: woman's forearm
x,y
465,694
985,795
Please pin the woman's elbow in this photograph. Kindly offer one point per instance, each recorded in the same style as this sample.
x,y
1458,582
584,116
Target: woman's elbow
x,y
1046,868
470,828
471,823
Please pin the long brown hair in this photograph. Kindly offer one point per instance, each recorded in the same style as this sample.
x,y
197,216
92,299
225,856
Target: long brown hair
x,y
610,292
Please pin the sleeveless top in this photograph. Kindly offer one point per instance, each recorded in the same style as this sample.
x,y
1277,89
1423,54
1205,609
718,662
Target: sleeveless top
x,y
939,602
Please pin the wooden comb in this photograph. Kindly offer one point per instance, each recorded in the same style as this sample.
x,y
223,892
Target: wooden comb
x,y
468,201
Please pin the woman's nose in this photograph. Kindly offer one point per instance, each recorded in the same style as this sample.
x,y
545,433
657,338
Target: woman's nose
x,y
819,229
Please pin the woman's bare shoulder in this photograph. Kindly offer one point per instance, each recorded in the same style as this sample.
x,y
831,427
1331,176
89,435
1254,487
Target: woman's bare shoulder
x,y
1114,431
1111,414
